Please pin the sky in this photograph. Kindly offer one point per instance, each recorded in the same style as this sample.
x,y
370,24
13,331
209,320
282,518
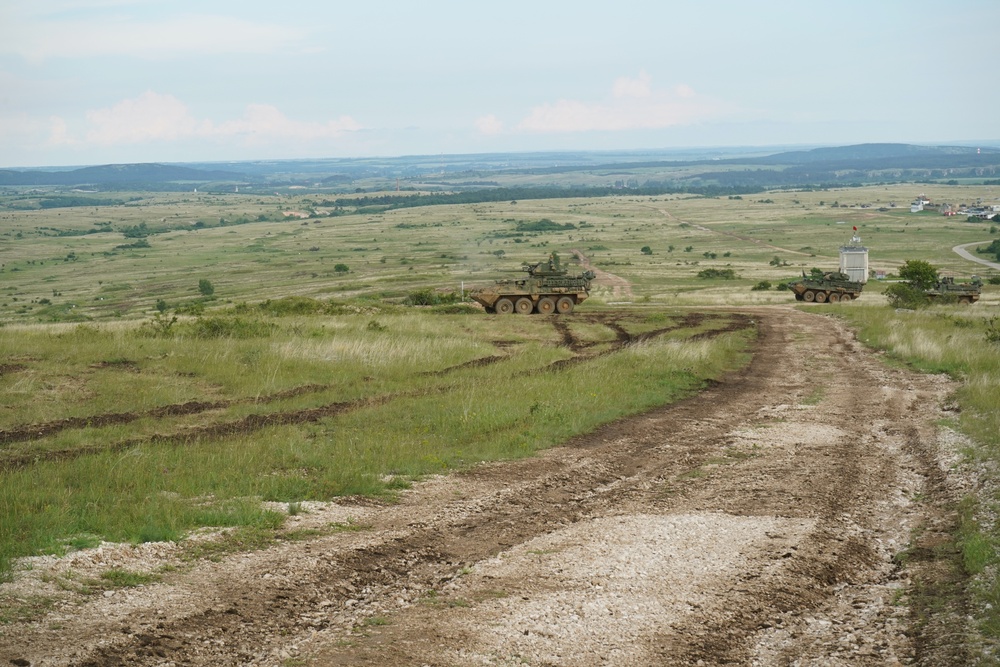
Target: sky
x,y
86,82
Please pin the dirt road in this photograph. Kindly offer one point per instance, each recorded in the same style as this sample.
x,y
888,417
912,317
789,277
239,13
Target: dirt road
x,y
961,251
759,523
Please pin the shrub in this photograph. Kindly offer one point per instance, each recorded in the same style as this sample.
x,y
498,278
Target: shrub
x,y
429,297
205,287
724,274
762,286
993,330
290,305
158,327
341,268
224,327
919,274
543,225
646,250
904,295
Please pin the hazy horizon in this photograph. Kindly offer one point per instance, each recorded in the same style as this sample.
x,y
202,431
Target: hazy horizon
x,y
90,82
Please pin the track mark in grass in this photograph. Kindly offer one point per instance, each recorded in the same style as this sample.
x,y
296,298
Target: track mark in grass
x,y
248,424
36,431
475,363
256,422
739,322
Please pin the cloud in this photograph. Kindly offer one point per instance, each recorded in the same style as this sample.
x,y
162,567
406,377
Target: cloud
x,y
155,117
626,87
41,38
489,125
149,117
266,121
634,104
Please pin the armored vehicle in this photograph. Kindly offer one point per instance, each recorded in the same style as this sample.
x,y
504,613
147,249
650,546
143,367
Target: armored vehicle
x,y
948,289
546,289
831,287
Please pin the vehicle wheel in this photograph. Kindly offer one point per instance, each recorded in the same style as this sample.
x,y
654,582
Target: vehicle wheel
x,y
799,297
504,307
564,306
546,306
846,297
809,295
820,297
834,298
965,301
523,306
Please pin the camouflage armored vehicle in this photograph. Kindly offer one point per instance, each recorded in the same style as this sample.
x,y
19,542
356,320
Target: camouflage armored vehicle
x,y
831,287
546,289
948,289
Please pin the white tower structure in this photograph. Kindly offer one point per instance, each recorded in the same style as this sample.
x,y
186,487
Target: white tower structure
x,y
854,259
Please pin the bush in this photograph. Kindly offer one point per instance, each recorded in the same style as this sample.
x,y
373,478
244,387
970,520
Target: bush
x,y
919,274
159,327
291,305
341,268
762,286
205,287
993,330
646,250
428,297
223,327
724,274
903,295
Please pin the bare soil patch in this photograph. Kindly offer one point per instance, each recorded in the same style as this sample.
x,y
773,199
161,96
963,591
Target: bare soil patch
x,y
757,523
620,287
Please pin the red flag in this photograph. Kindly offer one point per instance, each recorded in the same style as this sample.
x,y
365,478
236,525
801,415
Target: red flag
x,y
855,229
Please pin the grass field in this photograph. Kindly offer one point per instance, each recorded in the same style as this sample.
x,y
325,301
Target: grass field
x,y
49,275
134,434
294,371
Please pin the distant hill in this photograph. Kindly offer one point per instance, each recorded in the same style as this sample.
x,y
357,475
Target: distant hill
x,y
117,174
865,153
734,168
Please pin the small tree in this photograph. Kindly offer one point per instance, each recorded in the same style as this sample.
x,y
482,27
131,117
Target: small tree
x,y
341,268
205,287
646,250
919,274
904,295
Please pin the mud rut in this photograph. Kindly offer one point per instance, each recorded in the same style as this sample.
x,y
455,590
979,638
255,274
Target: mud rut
x,y
756,523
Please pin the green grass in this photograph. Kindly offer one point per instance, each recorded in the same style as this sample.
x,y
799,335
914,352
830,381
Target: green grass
x,y
953,340
393,253
271,341
157,477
